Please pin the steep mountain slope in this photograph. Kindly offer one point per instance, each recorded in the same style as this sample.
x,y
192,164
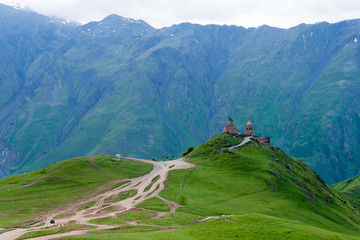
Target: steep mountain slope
x,y
29,44
250,192
106,86
350,188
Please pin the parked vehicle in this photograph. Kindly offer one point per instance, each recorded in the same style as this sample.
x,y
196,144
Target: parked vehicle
x,y
52,221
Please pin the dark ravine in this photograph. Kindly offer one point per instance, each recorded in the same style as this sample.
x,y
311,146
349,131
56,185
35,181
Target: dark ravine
x,y
68,90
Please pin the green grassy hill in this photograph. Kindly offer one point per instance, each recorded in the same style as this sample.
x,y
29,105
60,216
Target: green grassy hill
x,y
217,142
350,188
262,180
60,184
266,194
252,192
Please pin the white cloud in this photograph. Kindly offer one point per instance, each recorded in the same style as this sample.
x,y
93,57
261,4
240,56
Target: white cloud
x,y
160,13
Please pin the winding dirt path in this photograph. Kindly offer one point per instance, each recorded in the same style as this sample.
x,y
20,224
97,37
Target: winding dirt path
x,y
103,208
34,182
244,141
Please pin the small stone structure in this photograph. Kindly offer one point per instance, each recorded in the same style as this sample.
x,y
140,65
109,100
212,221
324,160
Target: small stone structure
x,y
249,129
232,130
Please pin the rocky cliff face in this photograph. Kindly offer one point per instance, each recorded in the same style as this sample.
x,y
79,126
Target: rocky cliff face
x,y
119,85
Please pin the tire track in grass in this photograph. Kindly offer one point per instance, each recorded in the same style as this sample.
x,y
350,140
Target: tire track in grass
x,y
182,184
151,180
37,180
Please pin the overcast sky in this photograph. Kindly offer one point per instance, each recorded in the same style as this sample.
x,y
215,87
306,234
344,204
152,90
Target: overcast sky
x,y
160,13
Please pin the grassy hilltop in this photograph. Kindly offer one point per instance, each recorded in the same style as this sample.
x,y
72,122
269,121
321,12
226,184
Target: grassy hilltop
x,y
62,183
253,192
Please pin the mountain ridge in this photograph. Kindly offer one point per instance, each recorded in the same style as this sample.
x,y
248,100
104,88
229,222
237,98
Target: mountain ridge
x,y
87,92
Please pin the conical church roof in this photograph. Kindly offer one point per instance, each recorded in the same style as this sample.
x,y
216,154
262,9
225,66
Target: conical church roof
x,y
249,123
230,119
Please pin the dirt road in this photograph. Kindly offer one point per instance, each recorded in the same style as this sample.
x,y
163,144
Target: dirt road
x,y
146,187
244,141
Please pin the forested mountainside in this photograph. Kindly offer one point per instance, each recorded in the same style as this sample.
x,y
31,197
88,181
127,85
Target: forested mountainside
x,y
70,90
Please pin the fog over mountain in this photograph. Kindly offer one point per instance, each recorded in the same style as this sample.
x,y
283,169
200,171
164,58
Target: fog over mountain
x,y
159,13
105,87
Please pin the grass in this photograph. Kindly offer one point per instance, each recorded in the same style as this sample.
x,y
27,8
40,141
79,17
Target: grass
x,y
271,196
5,230
295,228
107,221
65,229
350,188
122,196
249,227
64,215
220,141
86,205
173,219
72,180
129,229
259,179
268,195
156,188
135,214
155,204
120,184
152,182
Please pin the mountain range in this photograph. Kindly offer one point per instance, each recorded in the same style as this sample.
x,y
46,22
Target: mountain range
x,y
71,90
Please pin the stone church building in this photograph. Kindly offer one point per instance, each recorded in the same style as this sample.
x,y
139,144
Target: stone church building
x,y
232,130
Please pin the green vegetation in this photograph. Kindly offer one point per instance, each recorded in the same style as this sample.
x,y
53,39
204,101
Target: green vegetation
x,y
120,184
86,205
155,204
156,188
174,219
128,229
122,196
135,214
350,188
4,230
107,221
249,227
260,179
69,181
92,97
252,192
271,195
152,183
220,141
67,228
64,215
189,150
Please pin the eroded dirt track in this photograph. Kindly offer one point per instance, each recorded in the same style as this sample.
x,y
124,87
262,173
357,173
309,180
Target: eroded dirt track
x,y
146,187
